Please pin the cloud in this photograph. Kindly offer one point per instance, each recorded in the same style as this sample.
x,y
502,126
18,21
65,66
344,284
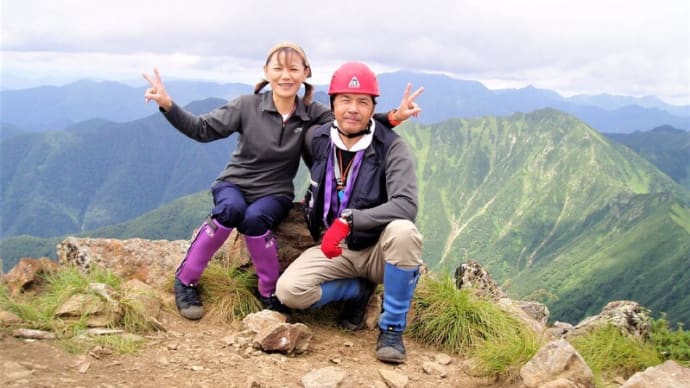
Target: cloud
x,y
621,47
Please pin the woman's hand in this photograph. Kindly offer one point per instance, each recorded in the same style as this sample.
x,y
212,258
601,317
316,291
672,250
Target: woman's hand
x,y
157,91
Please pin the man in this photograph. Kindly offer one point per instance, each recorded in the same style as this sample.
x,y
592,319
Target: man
x,y
364,192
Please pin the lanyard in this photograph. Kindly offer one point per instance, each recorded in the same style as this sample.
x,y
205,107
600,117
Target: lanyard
x,y
335,199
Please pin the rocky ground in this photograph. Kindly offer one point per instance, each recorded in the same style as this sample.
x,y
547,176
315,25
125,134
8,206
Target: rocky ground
x,y
211,354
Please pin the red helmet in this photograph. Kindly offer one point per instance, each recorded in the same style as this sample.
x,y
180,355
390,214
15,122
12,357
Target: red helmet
x,y
354,77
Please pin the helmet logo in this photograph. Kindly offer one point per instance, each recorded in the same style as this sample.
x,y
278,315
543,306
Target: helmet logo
x,y
354,83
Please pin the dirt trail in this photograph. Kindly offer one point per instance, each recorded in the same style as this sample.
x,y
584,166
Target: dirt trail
x,y
206,354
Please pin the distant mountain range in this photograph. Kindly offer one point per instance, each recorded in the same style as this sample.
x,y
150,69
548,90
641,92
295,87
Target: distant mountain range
x,y
59,107
99,173
444,98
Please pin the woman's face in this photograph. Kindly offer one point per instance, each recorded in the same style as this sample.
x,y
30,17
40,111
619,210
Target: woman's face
x,y
286,72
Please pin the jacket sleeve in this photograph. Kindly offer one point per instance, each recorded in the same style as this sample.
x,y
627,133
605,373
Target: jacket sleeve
x,y
217,124
401,184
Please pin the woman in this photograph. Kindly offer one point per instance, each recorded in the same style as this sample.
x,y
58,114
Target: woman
x,y
254,192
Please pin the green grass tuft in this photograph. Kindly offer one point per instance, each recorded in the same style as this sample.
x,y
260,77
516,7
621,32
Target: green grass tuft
x,y
228,292
460,322
610,353
671,344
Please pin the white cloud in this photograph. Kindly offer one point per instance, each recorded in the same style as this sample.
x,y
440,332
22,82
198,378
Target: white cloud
x,y
634,47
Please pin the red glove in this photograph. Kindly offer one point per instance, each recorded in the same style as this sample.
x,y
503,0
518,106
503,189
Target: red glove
x,y
334,235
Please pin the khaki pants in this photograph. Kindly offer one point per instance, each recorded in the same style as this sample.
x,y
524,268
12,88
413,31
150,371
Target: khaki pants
x,y
300,285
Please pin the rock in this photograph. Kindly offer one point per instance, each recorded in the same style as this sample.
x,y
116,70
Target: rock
x,y
442,358
514,308
555,361
284,338
327,377
394,379
471,275
99,312
629,316
263,319
8,319
26,271
33,334
152,262
667,375
434,369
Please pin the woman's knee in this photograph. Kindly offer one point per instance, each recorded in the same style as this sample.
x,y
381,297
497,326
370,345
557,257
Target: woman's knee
x,y
229,215
254,224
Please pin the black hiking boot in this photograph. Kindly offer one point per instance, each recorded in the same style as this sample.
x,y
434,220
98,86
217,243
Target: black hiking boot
x,y
187,301
272,303
390,347
353,312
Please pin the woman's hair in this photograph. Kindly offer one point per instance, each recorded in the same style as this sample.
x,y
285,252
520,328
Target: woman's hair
x,y
289,49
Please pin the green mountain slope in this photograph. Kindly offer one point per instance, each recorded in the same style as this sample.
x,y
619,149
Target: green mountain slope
x,y
100,173
540,198
666,147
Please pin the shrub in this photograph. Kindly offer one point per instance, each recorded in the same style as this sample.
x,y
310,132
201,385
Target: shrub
x,y
671,344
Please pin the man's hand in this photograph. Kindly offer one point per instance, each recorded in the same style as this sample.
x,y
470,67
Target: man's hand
x,y
334,235
157,91
407,106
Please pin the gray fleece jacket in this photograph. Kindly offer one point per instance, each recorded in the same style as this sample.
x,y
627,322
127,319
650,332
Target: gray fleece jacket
x,y
267,155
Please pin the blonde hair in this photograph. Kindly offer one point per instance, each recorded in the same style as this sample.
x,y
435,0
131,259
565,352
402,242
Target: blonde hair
x,y
289,48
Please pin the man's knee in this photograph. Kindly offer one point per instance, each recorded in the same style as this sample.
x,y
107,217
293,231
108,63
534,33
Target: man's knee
x,y
404,231
292,295
403,244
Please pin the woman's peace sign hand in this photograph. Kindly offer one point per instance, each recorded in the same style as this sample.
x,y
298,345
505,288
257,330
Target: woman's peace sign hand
x,y
157,91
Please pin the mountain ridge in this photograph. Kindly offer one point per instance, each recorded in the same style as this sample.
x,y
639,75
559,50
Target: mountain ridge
x,y
444,98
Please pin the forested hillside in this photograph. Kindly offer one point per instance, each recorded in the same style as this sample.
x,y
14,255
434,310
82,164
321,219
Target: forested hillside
x,y
99,173
555,210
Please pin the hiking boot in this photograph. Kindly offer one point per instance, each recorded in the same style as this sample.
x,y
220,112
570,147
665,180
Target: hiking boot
x,y
187,301
352,315
390,347
272,303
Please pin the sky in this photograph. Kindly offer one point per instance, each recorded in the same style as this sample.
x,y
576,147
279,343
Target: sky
x,y
632,47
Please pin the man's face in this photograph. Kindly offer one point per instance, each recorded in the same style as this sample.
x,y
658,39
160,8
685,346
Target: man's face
x,y
353,111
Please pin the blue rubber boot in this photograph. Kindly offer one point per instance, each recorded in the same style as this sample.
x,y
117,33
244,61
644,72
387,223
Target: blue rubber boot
x,y
398,287
337,290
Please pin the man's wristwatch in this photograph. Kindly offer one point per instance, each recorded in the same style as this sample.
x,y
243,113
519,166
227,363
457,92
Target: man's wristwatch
x,y
346,215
